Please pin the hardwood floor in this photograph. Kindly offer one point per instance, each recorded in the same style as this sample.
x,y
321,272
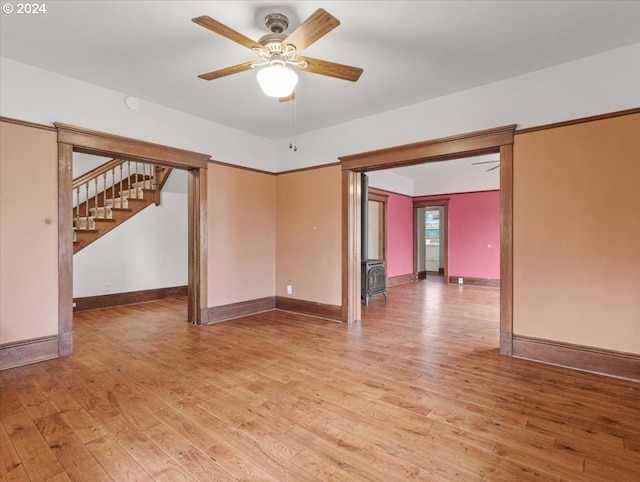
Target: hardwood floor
x,y
415,391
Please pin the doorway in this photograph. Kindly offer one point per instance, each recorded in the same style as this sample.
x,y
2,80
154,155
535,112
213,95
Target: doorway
x,y
70,139
434,240
497,140
377,226
142,250
431,222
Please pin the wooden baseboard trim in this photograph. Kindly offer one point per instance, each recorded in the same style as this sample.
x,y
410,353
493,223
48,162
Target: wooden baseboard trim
x,y
506,343
487,282
584,358
312,308
400,279
29,351
118,299
216,314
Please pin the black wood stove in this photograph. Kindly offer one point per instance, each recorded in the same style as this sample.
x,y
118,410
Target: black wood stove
x,y
373,272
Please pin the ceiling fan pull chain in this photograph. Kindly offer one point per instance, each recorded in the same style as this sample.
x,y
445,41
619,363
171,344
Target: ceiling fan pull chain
x,y
291,124
293,143
295,125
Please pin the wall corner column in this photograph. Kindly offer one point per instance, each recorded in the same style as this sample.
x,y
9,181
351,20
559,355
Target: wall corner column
x,y
65,250
198,246
506,249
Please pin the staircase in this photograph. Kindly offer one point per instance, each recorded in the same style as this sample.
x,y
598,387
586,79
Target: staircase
x,y
108,195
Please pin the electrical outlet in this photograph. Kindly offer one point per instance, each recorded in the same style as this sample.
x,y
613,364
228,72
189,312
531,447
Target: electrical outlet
x,y
289,289
460,281
107,287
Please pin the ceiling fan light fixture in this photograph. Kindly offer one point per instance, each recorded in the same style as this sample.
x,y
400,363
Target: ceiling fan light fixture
x,y
277,80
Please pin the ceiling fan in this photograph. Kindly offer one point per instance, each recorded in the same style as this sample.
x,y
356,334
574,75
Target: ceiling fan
x,y
278,52
487,162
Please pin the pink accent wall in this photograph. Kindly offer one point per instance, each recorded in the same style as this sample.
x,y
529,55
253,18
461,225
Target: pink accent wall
x,y
474,234
399,234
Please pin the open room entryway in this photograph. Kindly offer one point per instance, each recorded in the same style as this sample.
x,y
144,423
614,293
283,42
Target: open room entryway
x,y
130,232
74,139
498,140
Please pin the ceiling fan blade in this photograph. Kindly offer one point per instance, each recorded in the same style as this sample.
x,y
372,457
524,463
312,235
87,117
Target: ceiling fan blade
x,y
216,74
496,167
331,69
313,28
227,32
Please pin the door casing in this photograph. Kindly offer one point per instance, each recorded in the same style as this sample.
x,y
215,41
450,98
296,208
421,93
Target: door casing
x,y
496,140
72,138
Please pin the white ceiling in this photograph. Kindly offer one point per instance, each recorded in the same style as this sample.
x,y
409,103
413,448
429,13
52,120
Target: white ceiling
x,y
480,173
411,51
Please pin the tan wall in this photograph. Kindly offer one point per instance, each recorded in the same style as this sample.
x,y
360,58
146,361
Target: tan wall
x,y
577,234
241,217
308,235
28,245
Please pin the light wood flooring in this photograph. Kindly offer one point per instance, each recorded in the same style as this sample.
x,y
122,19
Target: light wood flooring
x,y
417,390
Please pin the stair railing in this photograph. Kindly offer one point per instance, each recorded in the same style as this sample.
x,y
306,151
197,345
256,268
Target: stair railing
x,y
112,179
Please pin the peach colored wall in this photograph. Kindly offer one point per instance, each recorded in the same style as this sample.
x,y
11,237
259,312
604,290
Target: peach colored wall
x,y
577,234
308,235
242,219
28,245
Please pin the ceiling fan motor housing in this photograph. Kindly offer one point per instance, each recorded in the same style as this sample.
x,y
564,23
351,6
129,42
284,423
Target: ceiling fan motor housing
x,y
272,41
276,22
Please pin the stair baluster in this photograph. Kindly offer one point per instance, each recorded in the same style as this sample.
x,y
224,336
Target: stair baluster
x,y
113,184
129,176
104,189
86,199
95,194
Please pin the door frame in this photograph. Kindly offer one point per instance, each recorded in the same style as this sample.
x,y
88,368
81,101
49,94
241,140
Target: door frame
x,y
438,203
382,199
72,138
488,141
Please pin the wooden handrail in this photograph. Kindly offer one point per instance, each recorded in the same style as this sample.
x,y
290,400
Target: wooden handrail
x,y
98,171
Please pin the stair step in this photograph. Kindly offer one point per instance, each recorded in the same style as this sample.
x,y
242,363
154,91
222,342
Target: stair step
x,y
137,201
101,212
117,202
133,193
148,184
84,222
